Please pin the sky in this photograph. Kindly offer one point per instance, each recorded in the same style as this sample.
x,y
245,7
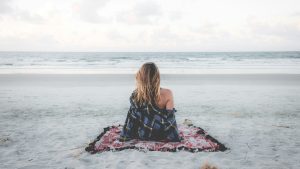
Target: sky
x,y
149,25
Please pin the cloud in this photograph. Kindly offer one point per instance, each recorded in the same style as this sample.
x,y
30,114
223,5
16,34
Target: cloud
x,y
164,35
279,30
90,10
27,16
28,43
206,28
147,9
145,12
295,14
175,15
149,25
5,7
13,12
115,35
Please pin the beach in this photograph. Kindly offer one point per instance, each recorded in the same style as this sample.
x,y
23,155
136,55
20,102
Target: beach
x,y
68,70
46,120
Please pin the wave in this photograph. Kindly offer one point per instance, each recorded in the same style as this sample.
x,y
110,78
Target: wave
x,y
180,62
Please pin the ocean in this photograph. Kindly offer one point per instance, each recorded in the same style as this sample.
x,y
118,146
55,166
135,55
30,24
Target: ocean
x,y
168,62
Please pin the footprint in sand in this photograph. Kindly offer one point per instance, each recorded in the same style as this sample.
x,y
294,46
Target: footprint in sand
x,y
4,140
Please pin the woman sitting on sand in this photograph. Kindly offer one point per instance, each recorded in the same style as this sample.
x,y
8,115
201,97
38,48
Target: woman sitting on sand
x,y
151,114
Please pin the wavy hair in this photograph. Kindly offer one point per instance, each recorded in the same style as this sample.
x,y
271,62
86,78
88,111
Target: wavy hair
x,y
147,84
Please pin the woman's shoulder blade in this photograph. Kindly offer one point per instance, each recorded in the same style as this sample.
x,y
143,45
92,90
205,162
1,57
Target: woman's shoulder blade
x,y
166,92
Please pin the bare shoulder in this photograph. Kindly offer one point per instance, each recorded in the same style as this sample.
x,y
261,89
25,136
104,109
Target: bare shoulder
x,y
166,92
167,96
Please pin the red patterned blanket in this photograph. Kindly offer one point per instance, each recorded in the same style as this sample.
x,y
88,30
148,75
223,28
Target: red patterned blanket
x,y
195,139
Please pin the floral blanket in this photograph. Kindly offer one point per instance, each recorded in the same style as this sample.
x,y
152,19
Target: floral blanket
x,y
195,139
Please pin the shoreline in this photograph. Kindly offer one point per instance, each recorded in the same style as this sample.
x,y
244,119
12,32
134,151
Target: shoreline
x,y
166,79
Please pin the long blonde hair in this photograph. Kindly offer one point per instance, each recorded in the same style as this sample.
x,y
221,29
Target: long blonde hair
x,y
147,84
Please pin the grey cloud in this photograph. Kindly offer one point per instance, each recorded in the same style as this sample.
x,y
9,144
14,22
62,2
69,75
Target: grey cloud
x,y
147,9
43,42
5,7
205,28
115,35
175,15
88,10
145,12
295,14
287,31
29,17
165,36
6,10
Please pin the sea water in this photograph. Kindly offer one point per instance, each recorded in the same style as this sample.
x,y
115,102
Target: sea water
x,y
168,62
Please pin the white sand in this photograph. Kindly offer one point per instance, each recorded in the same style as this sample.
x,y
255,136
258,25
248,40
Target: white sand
x,y
46,120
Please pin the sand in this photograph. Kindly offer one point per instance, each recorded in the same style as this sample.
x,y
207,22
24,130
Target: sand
x,y
46,120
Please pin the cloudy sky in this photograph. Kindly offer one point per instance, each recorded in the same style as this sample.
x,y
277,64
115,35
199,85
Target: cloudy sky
x,y
149,25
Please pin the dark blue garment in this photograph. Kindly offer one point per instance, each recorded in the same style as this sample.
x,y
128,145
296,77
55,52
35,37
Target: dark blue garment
x,y
149,122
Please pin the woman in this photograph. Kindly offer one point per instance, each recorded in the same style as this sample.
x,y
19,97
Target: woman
x,y
151,114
